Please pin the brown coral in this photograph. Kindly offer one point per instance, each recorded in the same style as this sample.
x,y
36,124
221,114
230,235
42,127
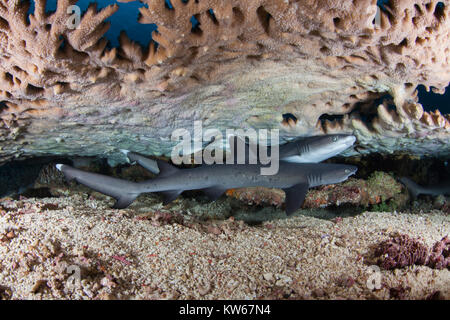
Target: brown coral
x,y
247,63
353,191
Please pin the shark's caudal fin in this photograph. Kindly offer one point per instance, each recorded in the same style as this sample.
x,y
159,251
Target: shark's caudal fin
x,y
414,188
125,192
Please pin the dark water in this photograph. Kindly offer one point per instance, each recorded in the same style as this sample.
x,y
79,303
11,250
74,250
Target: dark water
x,y
17,176
431,101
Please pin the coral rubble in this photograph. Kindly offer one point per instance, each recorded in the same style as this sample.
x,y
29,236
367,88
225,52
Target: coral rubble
x,y
244,65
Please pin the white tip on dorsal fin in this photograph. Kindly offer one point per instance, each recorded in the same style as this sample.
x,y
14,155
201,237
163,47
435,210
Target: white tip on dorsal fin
x,y
58,166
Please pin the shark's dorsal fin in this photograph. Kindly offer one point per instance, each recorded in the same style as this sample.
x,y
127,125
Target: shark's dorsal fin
x,y
249,153
170,195
166,169
149,164
213,193
295,196
413,188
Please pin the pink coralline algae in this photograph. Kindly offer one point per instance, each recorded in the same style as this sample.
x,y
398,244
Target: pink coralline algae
x,y
402,251
440,255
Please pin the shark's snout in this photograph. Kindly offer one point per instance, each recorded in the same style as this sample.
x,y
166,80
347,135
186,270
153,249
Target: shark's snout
x,y
349,140
351,170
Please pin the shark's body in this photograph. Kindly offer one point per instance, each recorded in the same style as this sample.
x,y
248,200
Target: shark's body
x,y
316,148
294,178
303,150
415,189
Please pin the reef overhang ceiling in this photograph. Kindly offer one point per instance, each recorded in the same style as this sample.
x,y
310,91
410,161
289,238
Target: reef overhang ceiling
x,y
242,64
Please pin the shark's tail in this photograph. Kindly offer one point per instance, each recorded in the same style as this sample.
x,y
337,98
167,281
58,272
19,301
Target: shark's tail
x,y
414,188
125,192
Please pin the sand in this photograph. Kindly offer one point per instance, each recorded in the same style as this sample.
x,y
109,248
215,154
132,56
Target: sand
x,y
75,247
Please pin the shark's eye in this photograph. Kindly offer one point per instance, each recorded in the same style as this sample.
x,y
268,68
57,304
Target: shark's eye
x,y
335,139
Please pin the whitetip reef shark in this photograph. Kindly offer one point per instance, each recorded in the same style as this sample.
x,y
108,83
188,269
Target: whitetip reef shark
x,y
312,149
415,189
294,178
316,148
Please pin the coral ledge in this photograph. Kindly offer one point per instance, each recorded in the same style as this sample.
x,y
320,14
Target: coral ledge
x,y
334,66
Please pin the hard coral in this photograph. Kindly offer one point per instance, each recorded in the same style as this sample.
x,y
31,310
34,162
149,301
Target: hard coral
x,y
244,65
353,191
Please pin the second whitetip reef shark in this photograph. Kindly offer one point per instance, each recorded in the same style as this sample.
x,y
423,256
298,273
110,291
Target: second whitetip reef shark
x,y
416,190
293,177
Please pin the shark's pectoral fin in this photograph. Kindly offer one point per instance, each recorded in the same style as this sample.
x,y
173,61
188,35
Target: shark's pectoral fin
x,y
295,196
169,196
124,201
213,193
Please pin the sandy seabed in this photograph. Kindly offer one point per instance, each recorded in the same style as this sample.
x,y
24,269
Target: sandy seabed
x,y
76,247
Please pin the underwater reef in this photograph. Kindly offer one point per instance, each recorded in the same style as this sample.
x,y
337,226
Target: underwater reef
x,y
304,68
78,93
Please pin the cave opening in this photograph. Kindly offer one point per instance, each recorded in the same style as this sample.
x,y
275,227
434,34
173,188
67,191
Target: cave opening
x,y
433,101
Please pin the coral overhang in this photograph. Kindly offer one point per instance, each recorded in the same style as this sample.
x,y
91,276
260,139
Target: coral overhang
x,y
244,65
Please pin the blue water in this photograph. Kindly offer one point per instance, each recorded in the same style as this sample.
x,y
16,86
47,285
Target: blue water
x,y
381,4
126,18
